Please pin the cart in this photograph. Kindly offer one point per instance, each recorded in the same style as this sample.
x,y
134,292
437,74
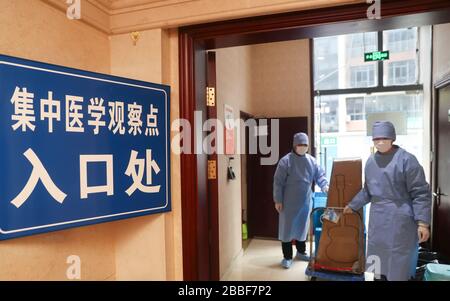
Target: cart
x,y
315,230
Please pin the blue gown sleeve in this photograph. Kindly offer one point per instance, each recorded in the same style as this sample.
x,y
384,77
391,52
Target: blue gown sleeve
x,y
362,198
279,180
319,176
418,189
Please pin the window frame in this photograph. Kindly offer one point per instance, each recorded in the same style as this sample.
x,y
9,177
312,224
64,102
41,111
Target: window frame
x,y
380,87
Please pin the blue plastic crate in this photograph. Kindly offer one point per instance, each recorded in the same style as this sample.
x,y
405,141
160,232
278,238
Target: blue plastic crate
x,y
319,200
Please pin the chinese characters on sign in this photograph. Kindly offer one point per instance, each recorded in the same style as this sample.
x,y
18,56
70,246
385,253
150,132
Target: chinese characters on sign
x,y
24,115
82,147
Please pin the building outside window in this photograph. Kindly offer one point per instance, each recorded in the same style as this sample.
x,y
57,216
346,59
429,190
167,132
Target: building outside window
x,y
349,92
401,40
326,66
360,43
355,109
329,118
362,76
402,72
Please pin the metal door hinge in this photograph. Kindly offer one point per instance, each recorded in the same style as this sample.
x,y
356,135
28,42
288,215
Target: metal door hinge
x,y
210,96
212,170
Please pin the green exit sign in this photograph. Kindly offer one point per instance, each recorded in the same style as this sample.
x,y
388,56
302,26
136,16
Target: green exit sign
x,y
376,56
327,141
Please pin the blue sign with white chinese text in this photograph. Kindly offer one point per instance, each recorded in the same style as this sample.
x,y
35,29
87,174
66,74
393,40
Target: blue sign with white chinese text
x,y
79,148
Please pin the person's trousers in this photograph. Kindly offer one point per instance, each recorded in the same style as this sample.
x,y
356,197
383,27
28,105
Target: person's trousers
x,y
287,248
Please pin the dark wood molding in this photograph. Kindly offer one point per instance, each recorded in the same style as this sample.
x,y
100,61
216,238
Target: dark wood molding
x,y
280,27
213,184
188,162
312,146
319,22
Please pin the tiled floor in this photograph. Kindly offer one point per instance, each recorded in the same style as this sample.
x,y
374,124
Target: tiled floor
x,y
261,261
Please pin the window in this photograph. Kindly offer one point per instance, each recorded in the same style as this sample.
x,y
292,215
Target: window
x,y
402,73
400,69
401,40
362,76
326,63
339,60
336,57
360,43
350,92
351,136
355,109
410,104
328,108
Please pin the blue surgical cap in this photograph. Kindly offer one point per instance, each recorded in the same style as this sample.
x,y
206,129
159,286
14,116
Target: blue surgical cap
x,y
301,138
383,129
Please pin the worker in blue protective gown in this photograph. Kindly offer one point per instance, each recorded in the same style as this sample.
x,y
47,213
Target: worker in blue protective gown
x,y
400,210
292,193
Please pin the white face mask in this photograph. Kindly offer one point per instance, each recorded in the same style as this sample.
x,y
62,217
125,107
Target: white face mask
x,y
383,145
301,150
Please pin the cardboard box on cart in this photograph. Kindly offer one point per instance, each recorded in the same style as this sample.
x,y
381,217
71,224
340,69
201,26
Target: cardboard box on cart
x,y
341,246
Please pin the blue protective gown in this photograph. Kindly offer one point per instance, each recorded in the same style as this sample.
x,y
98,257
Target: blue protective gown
x,y
400,197
292,187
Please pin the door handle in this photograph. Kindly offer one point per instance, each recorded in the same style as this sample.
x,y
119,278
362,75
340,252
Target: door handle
x,y
438,195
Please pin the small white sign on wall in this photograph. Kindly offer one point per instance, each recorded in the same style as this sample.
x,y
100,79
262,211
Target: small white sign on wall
x,y
229,130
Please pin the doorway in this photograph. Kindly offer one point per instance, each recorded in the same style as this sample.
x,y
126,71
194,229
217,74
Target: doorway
x,y
194,41
262,218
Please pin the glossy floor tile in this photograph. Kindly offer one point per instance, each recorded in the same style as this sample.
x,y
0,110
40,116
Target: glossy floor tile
x,y
261,260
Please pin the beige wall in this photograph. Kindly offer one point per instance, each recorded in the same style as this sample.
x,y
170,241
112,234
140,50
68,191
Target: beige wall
x,y
266,80
441,53
31,29
147,247
280,79
233,89
144,248
150,247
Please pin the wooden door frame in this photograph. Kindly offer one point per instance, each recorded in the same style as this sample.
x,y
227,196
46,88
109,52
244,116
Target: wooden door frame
x,y
195,40
213,184
443,82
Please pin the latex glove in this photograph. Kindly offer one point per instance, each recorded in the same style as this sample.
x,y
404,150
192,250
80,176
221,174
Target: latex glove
x,y
279,207
424,233
348,210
